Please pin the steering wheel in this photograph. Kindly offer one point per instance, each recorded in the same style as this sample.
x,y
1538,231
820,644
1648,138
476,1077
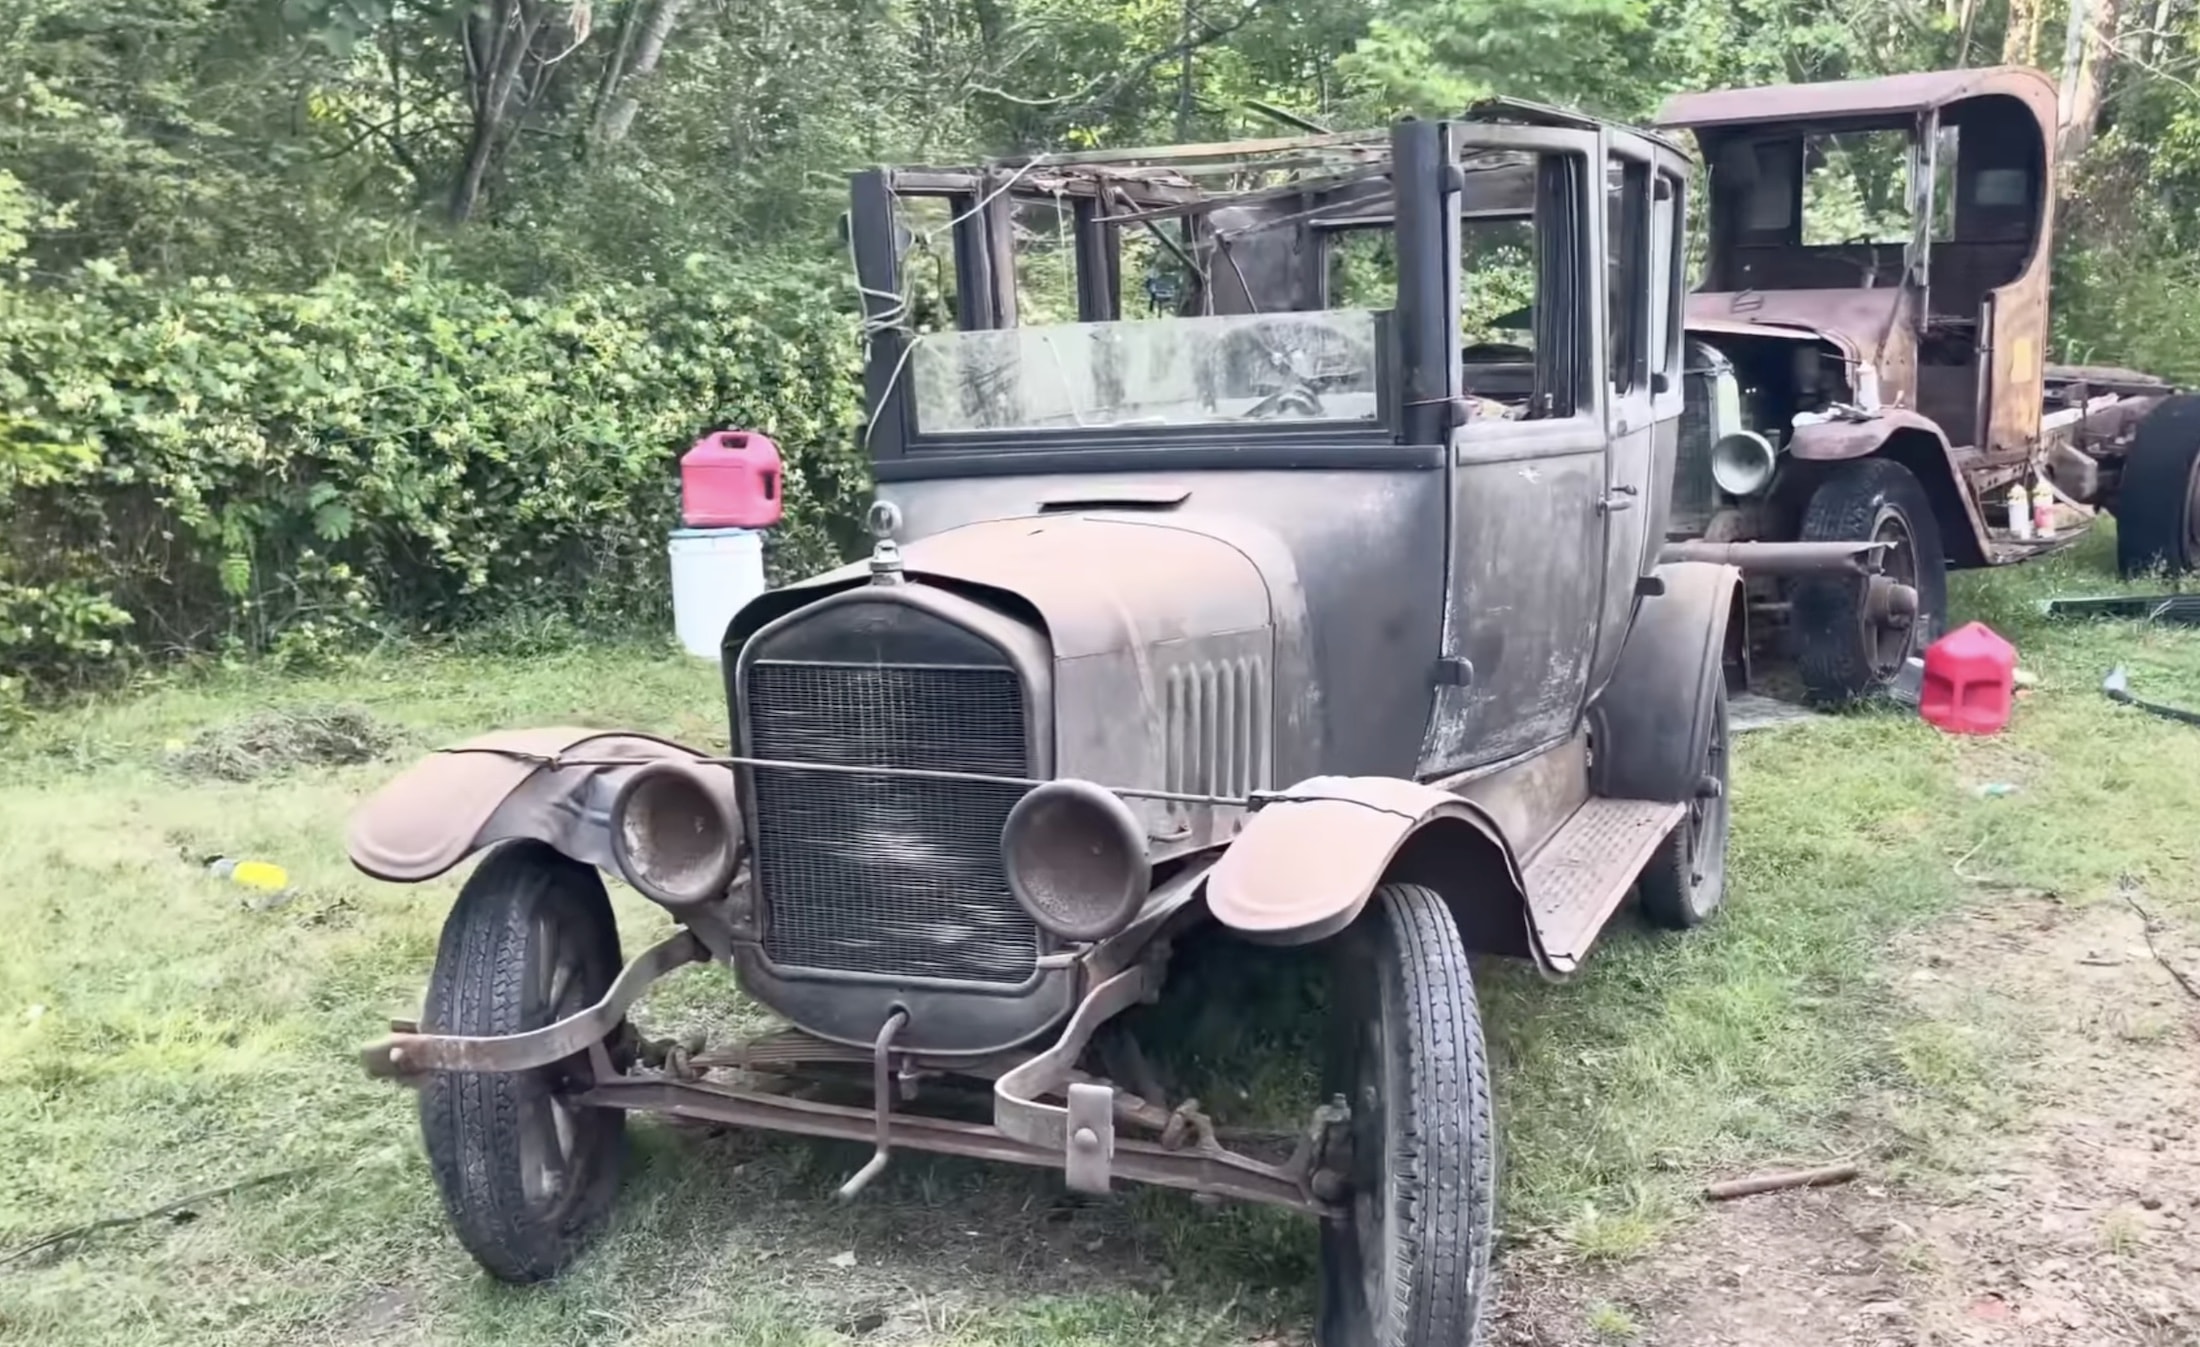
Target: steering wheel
x,y
1868,267
1298,397
1300,394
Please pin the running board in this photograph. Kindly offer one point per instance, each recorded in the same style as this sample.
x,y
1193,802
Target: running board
x,y
1576,881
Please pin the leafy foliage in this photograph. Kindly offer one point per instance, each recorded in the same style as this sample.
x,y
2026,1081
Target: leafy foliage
x,y
205,465
323,317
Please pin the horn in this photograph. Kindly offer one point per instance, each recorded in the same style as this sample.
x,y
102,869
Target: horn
x,y
1742,463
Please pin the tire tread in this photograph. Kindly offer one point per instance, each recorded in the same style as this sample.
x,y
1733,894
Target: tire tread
x,y
2157,481
1446,1154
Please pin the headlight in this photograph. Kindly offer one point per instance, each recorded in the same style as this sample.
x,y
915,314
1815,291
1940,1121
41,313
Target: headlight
x,y
1076,859
676,833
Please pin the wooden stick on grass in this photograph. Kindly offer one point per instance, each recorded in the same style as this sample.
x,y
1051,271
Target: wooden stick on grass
x,y
1728,1189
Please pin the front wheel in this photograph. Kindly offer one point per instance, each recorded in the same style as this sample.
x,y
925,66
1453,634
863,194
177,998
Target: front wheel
x,y
527,1177
1409,1264
1852,634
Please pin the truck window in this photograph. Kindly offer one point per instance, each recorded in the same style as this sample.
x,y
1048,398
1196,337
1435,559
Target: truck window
x,y
1856,188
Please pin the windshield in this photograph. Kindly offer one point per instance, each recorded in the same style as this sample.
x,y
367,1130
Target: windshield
x,y
1235,298
1149,372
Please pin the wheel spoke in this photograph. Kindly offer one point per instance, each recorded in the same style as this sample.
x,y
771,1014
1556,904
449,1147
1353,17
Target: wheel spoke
x,y
546,1146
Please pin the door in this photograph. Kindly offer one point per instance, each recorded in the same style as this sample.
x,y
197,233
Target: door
x,y
1528,483
1642,386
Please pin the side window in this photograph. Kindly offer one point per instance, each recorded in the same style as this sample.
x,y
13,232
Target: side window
x,y
1665,279
1627,273
1564,272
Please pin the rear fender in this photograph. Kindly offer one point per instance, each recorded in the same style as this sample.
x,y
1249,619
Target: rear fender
x,y
502,786
1651,725
1311,857
1918,444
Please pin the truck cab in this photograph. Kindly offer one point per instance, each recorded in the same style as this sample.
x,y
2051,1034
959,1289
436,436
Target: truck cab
x,y
1867,355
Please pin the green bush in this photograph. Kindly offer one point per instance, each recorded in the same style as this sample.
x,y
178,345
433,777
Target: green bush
x,y
205,467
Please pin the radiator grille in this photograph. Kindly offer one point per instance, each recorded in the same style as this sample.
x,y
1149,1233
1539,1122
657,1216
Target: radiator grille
x,y
873,874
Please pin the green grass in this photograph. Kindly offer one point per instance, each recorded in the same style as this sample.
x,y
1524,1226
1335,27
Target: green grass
x,y
162,1032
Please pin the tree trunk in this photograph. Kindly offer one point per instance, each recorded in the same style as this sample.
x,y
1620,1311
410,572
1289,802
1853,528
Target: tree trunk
x,y
1966,17
607,84
2158,29
2021,39
497,43
2088,51
1184,76
649,49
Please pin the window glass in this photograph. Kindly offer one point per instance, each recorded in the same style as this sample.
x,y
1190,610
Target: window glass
x,y
1626,202
1665,251
1250,368
1856,188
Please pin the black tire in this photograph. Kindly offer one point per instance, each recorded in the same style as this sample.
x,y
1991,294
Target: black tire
x,y
1409,1265
527,1181
1840,652
2158,500
1686,880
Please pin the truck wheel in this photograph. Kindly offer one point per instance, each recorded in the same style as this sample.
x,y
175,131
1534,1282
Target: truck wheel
x,y
1852,635
1684,881
527,1179
1408,1266
2158,501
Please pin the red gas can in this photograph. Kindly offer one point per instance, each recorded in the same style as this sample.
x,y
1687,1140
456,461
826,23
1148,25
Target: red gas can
x,y
1970,681
730,479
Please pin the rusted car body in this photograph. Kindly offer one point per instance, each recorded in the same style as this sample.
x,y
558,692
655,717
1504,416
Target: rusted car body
x,y
1918,343
1277,614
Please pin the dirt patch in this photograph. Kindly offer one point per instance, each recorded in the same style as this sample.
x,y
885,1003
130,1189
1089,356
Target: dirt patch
x,y
267,743
2077,1222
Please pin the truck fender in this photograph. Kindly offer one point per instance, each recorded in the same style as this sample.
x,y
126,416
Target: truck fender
x,y
1919,444
501,786
1650,726
1312,855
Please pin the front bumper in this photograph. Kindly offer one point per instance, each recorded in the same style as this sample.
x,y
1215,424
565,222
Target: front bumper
x,y
1082,1135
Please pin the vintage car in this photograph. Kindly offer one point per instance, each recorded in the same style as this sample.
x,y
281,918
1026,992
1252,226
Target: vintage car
x,y
1867,358
1279,613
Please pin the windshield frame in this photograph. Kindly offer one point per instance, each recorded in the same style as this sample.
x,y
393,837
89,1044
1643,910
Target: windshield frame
x,y
899,449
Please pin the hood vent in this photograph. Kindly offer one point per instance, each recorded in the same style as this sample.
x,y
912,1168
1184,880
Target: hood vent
x,y
1219,714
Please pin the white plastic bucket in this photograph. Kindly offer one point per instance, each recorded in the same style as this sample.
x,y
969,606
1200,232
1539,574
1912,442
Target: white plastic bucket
x,y
714,572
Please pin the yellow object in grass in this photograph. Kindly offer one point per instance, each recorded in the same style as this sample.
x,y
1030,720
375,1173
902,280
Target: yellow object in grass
x,y
265,876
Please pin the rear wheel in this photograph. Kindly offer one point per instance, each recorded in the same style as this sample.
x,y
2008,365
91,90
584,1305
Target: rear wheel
x,y
527,1178
1408,1266
1685,881
2158,500
1851,634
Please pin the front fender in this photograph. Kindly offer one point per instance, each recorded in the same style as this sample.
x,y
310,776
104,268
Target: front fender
x,y
1312,856
501,786
1919,444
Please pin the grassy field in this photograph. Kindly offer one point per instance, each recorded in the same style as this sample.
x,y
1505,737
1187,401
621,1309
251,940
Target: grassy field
x,y
163,1032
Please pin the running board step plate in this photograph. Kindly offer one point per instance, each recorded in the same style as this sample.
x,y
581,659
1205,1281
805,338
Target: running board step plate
x,y
1577,880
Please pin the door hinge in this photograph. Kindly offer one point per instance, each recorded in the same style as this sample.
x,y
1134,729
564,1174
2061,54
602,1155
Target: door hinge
x,y
1454,671
1618,499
